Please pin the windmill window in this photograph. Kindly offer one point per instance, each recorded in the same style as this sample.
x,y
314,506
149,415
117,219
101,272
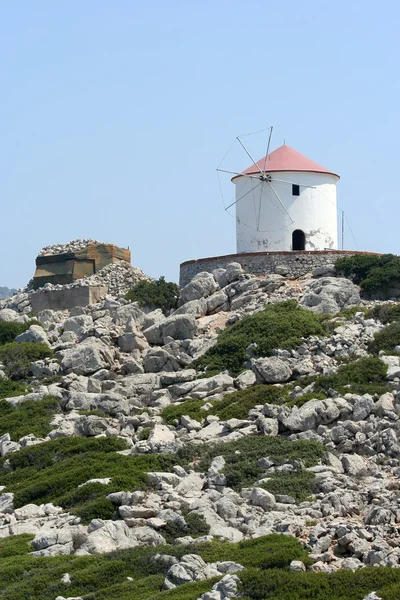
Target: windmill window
x,y
295,190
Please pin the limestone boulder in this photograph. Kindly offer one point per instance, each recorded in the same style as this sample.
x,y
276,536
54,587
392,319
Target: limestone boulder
x,y
190,568
179,327
114,535
11,316
201,286
158,359
272,369
263,498
35,334
330,295
132,341
197,308
86,358
126,314
79,325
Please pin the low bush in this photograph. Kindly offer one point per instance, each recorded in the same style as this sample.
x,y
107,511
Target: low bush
x,y
192,408
52,472
386,339
300,484
10,388
280,325
232,406
24,577
359,266
158,294
340,585
300,400
193,524
351,311
363,376
9,331
29,416
144,433
238,404
274,551
16,545
266,575
241,456
17,357
377,275
386,313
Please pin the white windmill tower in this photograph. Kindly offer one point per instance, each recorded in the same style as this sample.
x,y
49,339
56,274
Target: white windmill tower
x,y
284,202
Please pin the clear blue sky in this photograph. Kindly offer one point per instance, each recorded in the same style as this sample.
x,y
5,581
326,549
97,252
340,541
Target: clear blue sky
x,y
115,115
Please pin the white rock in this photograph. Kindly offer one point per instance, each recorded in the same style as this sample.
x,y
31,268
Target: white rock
x,y
263,498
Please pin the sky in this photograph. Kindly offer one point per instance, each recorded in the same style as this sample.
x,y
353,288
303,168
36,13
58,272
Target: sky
x,y
115,115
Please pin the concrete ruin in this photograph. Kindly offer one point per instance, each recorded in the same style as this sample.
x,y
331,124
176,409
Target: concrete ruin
x,y
61,269
68,298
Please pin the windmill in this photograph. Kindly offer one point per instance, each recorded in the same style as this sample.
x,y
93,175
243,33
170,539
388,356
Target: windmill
x,y
258,182
284,190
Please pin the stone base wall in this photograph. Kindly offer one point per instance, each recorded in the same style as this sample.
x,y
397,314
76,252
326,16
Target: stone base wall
x,y
290,264
67,298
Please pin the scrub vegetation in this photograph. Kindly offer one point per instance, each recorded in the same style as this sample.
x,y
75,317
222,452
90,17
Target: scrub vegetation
x,y
376,274
266,574
280,325
17,357
158,294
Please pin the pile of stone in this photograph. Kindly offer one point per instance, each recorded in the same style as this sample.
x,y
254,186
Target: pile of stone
x,y
72,246
119,277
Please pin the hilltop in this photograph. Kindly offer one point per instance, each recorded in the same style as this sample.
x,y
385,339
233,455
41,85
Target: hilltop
x,y
234,438
6,292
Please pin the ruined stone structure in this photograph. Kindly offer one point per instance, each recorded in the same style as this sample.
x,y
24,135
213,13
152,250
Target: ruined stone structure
x,y
71,266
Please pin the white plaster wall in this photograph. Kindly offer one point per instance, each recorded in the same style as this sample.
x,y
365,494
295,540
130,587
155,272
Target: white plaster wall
x,y
314,212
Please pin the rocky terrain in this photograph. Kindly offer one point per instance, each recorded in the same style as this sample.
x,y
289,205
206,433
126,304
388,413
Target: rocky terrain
x,y
141,443
6,292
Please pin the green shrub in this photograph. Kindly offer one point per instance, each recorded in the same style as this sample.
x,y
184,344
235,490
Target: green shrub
x,y
89,502
9,331
351,311
52,472
29,416
159,294
191,408
364,376
340,585
280,325
266,575
241,456
16,545
232,406
274,551
144,433
359,266
300,484
10,388
386,313
377,275
17,357
386,339
195,525
300,400
237,404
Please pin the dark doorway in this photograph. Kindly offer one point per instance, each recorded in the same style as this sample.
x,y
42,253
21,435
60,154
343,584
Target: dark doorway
x,y
298,240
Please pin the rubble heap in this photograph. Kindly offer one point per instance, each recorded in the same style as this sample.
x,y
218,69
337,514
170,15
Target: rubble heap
x,y
72,246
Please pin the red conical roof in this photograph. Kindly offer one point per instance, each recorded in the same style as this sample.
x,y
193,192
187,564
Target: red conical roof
x,y
286,159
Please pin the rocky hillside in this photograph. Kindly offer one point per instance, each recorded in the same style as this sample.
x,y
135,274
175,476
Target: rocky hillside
x,y
6,292
243,443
